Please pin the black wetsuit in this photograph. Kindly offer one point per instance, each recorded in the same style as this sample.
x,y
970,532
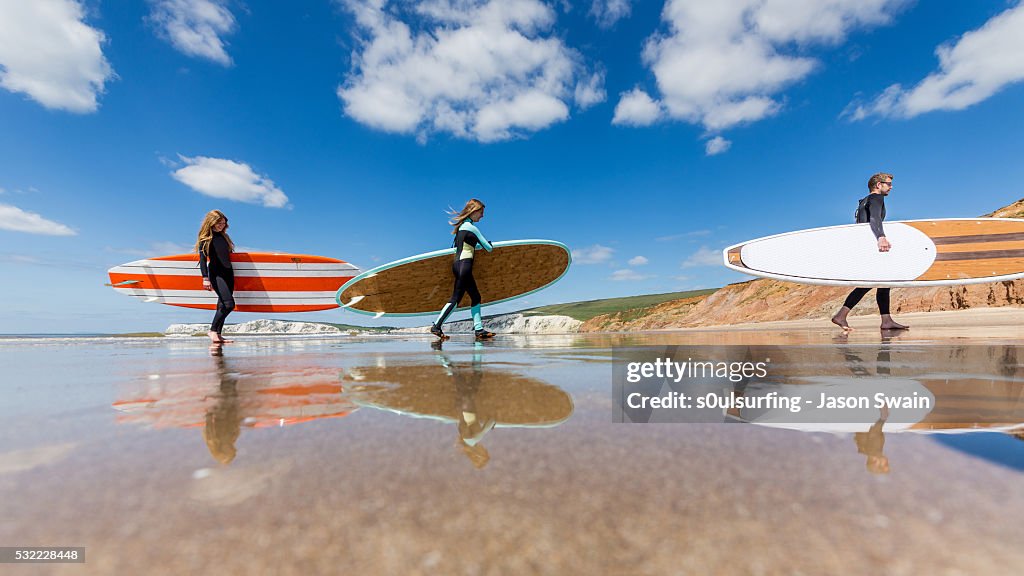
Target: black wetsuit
x,y
873,214
221,276
466,240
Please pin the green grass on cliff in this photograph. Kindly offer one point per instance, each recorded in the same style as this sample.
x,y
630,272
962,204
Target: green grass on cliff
x,y
586,310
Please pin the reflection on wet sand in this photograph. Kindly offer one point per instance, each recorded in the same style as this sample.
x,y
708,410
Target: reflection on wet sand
x,y
971,389
475,398
381,493
222,401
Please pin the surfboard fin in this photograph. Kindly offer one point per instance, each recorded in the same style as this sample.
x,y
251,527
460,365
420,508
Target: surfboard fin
x,y
353,301
124,283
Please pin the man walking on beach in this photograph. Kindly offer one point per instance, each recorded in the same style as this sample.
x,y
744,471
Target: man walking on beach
x,y
872,211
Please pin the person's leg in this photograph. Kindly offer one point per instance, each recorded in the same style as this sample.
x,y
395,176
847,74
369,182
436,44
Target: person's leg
x,y
224,287
474,301
840,318
882,297
458,290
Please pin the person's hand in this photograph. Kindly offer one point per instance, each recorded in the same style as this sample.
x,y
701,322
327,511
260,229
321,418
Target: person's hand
x,y
883,244
206,284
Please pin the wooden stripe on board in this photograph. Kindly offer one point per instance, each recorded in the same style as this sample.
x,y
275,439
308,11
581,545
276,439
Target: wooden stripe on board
x,y
937,229
980,255
966,269
735,258
979,247
980,238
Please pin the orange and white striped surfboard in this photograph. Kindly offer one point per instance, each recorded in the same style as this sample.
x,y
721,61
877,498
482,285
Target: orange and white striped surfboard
x,y
264,282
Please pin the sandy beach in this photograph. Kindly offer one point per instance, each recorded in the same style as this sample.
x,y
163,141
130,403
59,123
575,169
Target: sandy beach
x,y
296,454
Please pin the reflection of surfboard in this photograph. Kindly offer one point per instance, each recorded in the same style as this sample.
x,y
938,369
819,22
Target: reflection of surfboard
x,y
422,284
258,400
510,400
924,253
263,282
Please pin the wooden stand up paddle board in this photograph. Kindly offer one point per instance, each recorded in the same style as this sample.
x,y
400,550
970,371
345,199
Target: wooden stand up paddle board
x,y
264,282
422,284
924,253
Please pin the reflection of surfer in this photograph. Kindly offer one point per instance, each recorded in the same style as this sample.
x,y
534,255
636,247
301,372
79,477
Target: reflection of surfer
x,y
223,419
872,442
215,248
467,238
472,424
872,211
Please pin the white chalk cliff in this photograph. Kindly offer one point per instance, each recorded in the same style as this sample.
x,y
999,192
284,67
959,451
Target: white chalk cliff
x,y
509,324
259,327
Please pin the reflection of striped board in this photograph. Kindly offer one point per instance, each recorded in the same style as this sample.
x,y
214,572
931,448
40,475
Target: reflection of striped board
x,y
257,399
924,253
263,282
422,284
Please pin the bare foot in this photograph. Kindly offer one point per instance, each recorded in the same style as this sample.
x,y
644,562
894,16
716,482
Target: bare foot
x,y
840,319
894,326
216,338
889,324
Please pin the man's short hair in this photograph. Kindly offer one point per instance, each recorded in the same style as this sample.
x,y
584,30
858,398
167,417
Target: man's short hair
x,y
880,177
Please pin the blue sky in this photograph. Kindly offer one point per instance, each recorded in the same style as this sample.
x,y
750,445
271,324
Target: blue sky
x,y
645,135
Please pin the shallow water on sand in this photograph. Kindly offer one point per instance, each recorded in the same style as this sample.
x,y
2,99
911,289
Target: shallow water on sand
x,y
387,455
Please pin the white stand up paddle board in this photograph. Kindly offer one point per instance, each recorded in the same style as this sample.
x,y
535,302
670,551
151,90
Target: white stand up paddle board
x,y
924,253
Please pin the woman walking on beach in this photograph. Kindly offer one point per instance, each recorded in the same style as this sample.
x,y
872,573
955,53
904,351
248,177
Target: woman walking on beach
x,y
467,238
215,248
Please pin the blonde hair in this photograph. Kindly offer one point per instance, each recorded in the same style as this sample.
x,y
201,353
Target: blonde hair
x,y
459,217
206,232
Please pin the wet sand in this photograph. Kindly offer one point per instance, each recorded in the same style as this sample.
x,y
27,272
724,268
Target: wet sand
x,y
385,455
971,323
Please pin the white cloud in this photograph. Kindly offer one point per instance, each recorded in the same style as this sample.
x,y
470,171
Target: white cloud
x,y
18,220
721,64
591,91
484,70
221,178
195,27
595,254
636,108
637,261
48,53
717,145
608,12
979,64
704,257
628,275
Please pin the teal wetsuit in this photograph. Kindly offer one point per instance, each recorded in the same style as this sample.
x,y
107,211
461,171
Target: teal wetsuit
x,y
468,238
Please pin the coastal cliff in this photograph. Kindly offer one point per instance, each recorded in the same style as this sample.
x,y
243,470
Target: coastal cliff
x,y
514,323
263,327
771,300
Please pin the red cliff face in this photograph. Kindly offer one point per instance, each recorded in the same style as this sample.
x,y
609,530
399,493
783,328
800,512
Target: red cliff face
x,y
770,300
